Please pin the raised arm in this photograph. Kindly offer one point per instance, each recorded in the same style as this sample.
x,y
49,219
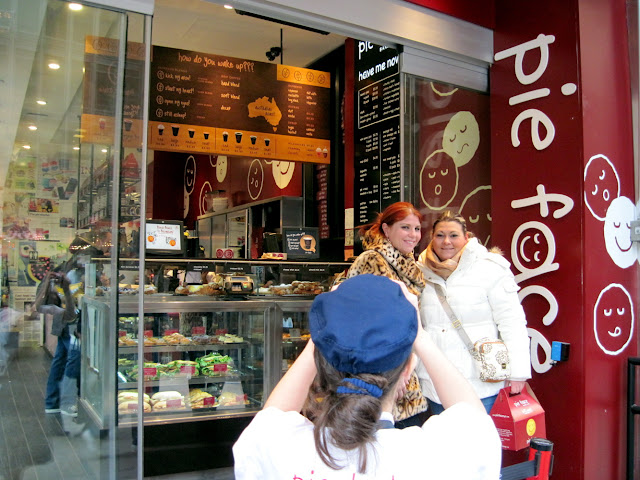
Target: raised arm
x,y
291,391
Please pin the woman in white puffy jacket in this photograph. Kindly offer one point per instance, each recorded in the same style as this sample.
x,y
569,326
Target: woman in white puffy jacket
x,y
482,292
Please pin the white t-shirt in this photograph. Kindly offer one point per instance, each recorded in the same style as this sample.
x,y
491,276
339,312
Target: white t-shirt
x,y
461,443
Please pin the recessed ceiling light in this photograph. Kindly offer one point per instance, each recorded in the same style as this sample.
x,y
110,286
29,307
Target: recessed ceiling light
x,y
77,135
54,66
41,102
75,6
104,150
76,148
26,147
228,7
33,128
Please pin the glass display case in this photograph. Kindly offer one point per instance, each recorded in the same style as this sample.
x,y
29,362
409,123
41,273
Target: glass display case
x,y
209,353
198,359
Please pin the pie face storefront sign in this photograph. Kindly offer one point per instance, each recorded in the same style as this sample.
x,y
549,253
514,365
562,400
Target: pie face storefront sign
x,y
229,106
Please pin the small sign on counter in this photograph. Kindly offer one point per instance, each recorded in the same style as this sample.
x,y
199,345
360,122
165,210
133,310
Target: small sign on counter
x,y
301,243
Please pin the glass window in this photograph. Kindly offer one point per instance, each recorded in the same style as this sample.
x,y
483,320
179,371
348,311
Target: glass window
x,y
448,154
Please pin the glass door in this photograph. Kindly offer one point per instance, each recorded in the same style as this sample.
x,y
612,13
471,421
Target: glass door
x,y
71,103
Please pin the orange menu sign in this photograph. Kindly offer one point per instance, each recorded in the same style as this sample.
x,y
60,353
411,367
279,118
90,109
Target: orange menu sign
x,y
202,103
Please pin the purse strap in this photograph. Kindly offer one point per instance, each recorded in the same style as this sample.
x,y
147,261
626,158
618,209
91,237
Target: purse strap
x,y
457,324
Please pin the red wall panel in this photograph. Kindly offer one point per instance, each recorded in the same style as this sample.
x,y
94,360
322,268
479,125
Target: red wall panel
x,y
562,177
537,199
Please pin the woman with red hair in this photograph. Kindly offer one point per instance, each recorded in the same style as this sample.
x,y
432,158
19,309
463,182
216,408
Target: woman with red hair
x,y
389,243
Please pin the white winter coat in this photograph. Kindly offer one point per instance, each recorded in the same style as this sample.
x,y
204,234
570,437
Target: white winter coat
x,y
484,296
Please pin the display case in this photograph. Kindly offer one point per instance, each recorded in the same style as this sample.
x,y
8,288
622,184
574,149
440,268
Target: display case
x,y
202,359
211,356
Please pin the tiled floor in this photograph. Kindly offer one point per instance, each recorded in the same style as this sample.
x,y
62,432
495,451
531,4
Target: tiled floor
x,y
34,445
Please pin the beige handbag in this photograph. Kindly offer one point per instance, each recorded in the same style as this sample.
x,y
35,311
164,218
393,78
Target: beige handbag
x,y
491,355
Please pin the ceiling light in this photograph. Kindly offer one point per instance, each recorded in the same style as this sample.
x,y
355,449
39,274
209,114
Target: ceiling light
x,y
76,148
104,150
228,7
41,102
26,147
77,135
54,66
75,6
33,128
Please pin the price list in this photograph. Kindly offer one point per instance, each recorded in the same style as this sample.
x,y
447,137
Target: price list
x,y
377,159
204,103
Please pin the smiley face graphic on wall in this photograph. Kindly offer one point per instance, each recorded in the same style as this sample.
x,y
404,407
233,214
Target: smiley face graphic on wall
x,y
221,168
438,180
613,319
601,185
617,232
476,208
282,172
461,138
255,179
189,181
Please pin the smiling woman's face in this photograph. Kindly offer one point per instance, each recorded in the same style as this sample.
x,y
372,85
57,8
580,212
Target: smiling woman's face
x,y
404,234
448,239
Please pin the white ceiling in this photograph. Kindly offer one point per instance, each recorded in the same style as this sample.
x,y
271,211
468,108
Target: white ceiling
x,y
37,36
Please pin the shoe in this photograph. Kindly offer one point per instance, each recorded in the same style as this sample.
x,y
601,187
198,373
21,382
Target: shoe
x,y
71,411
51,410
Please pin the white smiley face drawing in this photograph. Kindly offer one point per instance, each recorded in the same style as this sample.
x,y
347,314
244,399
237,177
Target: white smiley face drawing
x,y
613,319
282,172
461,137
190,174
255,179
617,232
221,168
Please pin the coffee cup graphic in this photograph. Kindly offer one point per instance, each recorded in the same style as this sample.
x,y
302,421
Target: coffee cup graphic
x,y
307,243
192,132
160,129
128,123
253,139
225,136
267,141
325,152
238,137
175,129
103,123
319,151
206,135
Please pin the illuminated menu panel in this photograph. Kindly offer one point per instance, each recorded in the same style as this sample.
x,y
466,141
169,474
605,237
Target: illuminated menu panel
x,y
204,103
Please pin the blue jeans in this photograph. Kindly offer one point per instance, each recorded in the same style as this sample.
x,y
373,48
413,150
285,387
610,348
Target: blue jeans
x,y
437,409
65,363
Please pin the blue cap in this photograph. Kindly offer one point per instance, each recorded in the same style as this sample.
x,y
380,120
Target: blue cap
x,y
366,325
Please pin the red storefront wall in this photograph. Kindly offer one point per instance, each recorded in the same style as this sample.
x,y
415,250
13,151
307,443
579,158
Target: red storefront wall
x,y
563,197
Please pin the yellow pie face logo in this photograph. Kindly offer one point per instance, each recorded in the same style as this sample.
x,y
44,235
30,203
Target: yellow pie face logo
x,y
531,427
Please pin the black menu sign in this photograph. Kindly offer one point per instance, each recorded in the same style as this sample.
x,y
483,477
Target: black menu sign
x,y
99,91
377,143
216,104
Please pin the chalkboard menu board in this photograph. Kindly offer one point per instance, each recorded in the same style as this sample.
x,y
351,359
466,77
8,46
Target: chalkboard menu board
x,y
300,243
377,132
205,103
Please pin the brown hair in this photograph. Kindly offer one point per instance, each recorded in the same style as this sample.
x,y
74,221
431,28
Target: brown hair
x,y
392,214
348,422
449,216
